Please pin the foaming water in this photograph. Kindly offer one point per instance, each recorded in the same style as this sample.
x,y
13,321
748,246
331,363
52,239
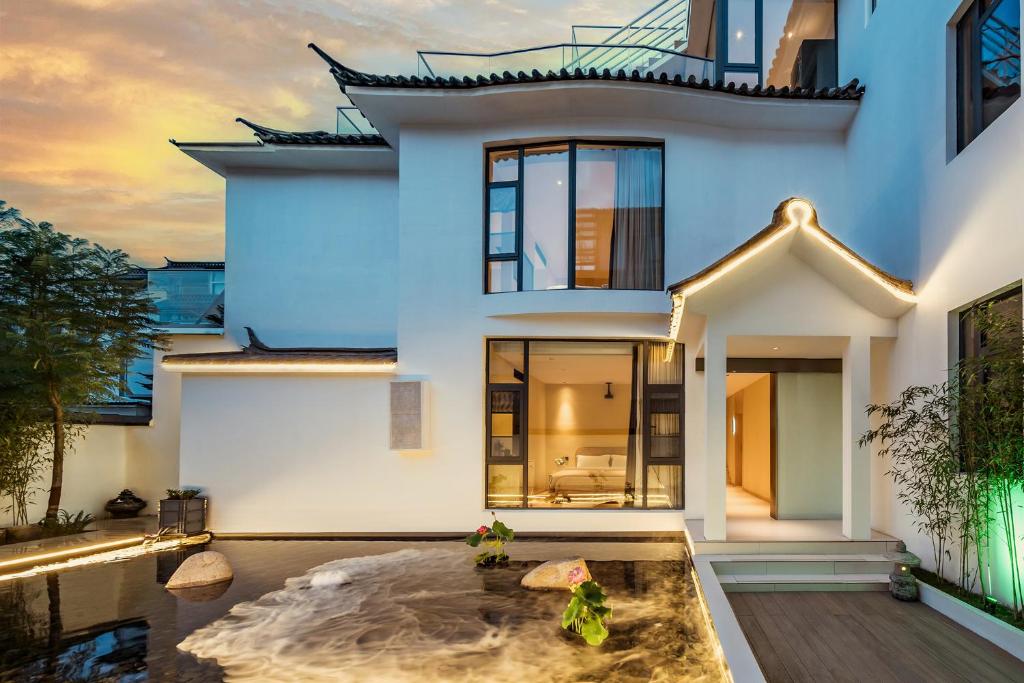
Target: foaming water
x,y
428,614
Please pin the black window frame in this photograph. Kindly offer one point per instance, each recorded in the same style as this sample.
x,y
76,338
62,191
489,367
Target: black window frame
x,y
962,319
643,421
517,184
972,20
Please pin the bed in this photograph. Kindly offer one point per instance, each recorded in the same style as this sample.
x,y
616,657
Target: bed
x,y
592,469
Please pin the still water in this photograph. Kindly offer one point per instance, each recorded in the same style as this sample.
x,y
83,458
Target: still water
x,y
349,611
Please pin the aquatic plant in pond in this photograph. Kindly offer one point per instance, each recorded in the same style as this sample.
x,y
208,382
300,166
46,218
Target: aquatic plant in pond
x,y
586,614
494,537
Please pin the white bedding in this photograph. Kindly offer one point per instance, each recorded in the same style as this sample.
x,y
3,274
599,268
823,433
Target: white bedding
x,y
588,480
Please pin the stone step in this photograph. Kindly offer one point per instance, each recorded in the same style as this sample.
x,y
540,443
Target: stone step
x,y
705,548
804,582
813,565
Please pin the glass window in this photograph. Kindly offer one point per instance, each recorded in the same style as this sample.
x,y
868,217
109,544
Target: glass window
x,y
501,277
741,31
545,217
503,166
598,429
799,43
506,362
501,226
608,235
988,65
618,217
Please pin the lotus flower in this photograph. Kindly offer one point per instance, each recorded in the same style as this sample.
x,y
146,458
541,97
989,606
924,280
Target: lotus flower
x,y
576,576
482,530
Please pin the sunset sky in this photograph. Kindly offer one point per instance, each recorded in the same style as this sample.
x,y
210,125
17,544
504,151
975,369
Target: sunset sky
x,y
91,90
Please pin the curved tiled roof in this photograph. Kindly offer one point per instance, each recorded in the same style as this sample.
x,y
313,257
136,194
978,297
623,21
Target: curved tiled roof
x,y
256,352
350,77
190,265
273,136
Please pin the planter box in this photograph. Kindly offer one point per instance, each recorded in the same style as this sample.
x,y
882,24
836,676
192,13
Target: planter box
x,y
994,630
21,534
184,516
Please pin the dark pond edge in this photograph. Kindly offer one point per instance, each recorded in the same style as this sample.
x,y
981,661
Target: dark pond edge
x,y
549,537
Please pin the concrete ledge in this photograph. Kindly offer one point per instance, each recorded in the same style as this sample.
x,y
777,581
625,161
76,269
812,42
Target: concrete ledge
x,y
550,536
735,648
994,630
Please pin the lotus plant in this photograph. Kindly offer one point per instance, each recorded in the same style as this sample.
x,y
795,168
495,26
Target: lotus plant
x,y
586,614
494,537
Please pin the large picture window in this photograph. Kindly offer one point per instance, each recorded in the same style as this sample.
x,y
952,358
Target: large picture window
x,y
584,424
574,215
988,65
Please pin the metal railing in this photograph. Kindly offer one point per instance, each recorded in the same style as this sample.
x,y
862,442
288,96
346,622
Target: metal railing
x,y
350,121
665,25
627,57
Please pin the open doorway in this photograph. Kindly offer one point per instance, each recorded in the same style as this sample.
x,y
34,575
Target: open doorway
x,y
784,445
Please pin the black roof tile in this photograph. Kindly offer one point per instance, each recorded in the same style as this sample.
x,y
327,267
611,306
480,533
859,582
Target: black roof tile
x,y
346,77
272,136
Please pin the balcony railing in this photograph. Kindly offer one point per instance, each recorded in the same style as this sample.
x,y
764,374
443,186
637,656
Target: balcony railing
x,y
350,121
585,56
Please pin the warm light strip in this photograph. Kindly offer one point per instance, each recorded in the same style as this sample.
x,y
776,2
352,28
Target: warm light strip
x,y
900,294
798,215
77,550
339,368
116,555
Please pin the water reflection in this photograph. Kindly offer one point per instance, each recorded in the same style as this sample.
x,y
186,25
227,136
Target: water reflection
x,y
36,644
423,613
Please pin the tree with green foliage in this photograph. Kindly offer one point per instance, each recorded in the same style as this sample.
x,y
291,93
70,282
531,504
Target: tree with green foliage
x,y
71,318
956,452
23,434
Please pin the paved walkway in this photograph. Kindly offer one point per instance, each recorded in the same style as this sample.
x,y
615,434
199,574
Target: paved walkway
x,y
864,636
107,534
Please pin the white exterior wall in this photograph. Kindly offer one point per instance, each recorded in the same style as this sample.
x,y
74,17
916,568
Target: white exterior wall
x,y
379,260
718,192
965,210
311,258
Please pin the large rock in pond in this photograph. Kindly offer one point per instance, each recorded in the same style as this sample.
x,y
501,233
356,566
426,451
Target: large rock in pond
x,y
555,575
202,569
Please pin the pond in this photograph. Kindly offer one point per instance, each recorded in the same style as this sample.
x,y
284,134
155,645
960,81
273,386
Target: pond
x,y
355,611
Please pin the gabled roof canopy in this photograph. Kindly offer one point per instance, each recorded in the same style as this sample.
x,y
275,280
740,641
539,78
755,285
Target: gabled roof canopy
x,y
795,228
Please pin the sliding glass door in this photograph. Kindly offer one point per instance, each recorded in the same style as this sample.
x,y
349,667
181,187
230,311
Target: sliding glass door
x,y
578,424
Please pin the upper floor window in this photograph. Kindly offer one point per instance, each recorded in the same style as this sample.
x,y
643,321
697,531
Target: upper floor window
x,y
574,215
988,65
781,43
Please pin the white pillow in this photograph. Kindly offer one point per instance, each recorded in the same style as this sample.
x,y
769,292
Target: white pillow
x,y
618,462
592,462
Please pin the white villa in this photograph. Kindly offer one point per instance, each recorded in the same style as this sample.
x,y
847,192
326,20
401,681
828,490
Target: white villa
x,y
644,283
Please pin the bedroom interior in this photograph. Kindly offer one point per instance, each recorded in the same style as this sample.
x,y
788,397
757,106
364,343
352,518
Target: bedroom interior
x,y
586,404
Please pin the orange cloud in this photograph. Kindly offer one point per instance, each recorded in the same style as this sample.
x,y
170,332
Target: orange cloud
x,y
90,91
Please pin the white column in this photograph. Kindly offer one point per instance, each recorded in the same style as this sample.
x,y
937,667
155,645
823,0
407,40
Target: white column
x,y
856,460
714,436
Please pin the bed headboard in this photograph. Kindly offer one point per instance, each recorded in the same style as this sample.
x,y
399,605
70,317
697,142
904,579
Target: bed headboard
x,y
600,450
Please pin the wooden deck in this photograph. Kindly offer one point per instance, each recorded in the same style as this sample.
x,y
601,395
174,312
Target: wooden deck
x,y
864,636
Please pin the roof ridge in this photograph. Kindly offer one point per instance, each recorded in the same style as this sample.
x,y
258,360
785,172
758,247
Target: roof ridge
x,y
276,136
346,77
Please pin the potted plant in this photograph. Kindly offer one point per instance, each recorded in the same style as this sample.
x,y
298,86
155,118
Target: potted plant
x,y
125,505
183,511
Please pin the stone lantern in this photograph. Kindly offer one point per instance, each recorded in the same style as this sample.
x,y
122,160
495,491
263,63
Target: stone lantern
x,y
902,583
